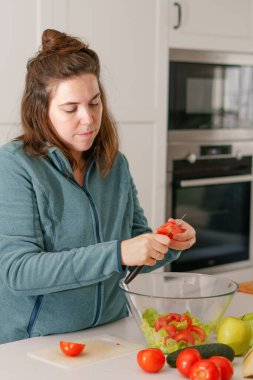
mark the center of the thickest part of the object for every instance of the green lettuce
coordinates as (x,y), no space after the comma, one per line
(157,339)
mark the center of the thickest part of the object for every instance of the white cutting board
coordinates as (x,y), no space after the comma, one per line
(97,348)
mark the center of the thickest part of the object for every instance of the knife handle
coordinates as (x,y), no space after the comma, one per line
(133,274)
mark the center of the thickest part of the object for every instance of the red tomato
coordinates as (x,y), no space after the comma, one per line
(161,231)
(151,359)
(186,359)
(70,348)
(226,367)
(186,318)
(170,228)
(171,330)
(186,336)
(160,323)
(173,317)
(199,331)
(204,369)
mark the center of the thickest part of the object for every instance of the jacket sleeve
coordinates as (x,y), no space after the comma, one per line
(25,266)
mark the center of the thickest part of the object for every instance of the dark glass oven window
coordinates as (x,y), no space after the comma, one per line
(220,215)
(206,96)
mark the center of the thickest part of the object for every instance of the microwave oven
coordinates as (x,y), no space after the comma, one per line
(210,93)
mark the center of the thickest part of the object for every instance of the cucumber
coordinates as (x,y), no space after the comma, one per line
(206,351)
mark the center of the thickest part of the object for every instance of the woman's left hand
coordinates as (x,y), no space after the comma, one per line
(183,240)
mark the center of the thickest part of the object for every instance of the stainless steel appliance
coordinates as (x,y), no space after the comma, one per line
(210,150)
(212,183)
(210,95)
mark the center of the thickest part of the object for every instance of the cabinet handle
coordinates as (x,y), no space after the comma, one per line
(179,13)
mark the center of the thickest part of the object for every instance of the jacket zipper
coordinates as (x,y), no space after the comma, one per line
(34,314)
(99,241)
(96,230)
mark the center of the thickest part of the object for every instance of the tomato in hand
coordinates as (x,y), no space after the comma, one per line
(151,359)
(170,228)
(71,349)
(186,359)
(204,369)
(226,367)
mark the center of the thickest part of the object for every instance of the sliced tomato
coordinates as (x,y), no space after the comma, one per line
(162,231)
(160,323)
(201,333)
(173,317)
(170,228)
(71,349)
(171,330)
(186,318)
(186,359)
(186,336)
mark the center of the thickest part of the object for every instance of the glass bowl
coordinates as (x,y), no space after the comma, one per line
(176,310)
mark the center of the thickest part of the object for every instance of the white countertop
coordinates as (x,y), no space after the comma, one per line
(16,364)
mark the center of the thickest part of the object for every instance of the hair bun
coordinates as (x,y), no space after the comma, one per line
(53,40)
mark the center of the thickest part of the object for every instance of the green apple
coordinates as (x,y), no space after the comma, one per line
(236,333)
(249,319)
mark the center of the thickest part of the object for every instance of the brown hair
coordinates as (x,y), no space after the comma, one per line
(62,56)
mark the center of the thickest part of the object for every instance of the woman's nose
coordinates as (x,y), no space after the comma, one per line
(86,117)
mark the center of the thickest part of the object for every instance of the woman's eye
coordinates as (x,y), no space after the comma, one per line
(94,104)
(70,111)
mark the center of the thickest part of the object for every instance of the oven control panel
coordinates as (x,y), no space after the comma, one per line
(214,150)
(192,151)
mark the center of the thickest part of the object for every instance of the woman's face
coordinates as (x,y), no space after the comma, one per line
(75,111)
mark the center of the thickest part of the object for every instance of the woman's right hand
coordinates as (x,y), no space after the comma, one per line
(144,249)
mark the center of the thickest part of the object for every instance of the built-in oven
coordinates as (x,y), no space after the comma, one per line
(210,95)
(212,184)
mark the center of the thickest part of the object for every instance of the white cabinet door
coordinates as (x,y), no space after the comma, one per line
(124,35)
(130,38)
(211,24)
(17,45)
(21,23)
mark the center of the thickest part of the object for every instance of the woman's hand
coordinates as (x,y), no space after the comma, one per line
(144,249)
(183,240)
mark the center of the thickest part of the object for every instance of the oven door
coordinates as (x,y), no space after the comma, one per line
(218,206)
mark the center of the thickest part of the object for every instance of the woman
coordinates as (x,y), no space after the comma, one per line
(70,220)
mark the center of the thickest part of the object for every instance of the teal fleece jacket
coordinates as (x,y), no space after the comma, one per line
(60,243)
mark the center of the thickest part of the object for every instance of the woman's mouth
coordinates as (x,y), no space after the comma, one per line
(85,134)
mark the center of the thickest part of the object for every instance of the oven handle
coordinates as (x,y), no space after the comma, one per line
(216,180)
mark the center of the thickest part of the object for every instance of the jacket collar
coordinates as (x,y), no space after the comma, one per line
(59,160)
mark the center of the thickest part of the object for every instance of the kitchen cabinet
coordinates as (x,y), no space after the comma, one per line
(17,45)
(21,24)
(211,24)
